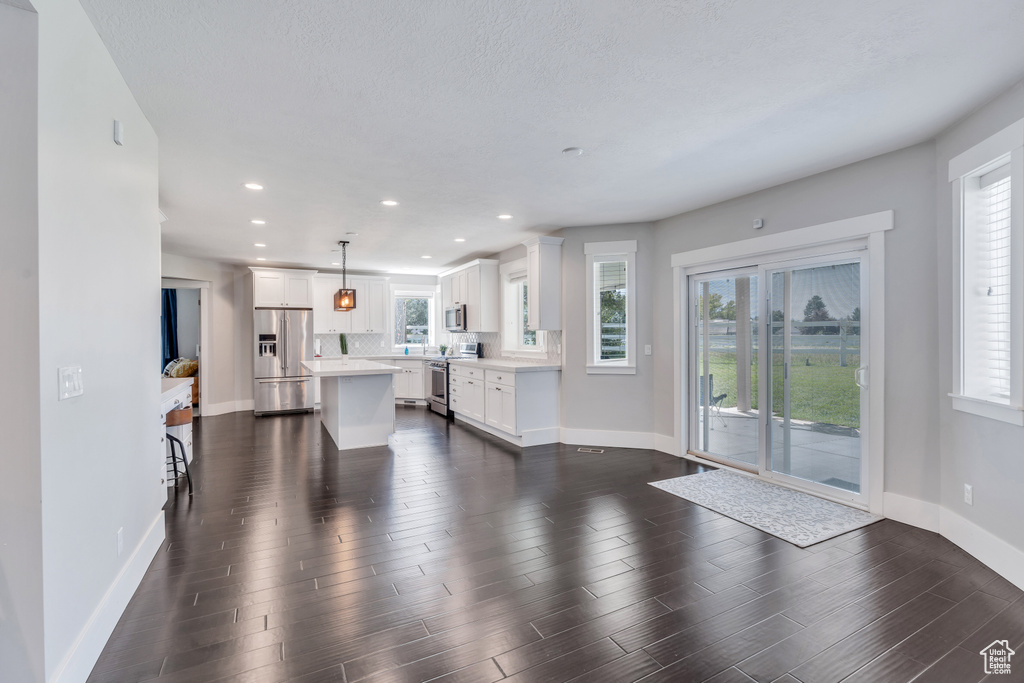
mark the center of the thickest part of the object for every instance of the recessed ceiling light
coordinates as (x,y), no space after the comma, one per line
(260,258)
(352,234)
(253,186)
(505,216)
(259,245)
(460,239)
(572,151)
(258,221)
(389,202)
(425,256)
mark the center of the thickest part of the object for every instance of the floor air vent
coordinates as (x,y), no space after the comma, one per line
(590,450)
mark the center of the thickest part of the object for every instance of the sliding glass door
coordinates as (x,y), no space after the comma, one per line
(788,408)
(725,371)
(813,363)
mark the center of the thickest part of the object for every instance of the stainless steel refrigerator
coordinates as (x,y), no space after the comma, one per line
(283,339)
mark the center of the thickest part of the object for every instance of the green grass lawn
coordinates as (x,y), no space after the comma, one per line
(823,391)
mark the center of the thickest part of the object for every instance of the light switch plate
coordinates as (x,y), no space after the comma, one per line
(647,349)
(69,382)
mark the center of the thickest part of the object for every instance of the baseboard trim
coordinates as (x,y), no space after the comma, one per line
(608,439)
(80,659)
(512,439)
(912,511)
(667,443)
(997,554)
(229,407)
(539,437)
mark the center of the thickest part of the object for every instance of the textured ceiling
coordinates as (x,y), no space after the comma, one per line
(459,110)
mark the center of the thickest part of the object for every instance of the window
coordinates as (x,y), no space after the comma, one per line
(412,318)
(987,188)
(611,306)
(517,337)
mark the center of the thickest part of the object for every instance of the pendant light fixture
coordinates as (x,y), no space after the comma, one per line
(344,298)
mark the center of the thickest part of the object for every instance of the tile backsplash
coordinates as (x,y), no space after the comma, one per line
(492,344)
(378,344)
(358,344)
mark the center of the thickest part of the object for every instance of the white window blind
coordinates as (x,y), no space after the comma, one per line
(611,292)
(988,374)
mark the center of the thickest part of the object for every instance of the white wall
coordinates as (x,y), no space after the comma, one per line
(188,322)
(902,181)
(606,403)
(21,549)
(99,301)
(985,453)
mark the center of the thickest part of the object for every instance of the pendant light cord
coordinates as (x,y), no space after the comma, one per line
(344,265)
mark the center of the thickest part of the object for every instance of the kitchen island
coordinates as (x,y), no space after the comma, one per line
(357,401)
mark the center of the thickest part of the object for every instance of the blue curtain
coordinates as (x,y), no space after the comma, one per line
(169,326)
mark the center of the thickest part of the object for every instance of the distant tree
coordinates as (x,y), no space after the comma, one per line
(855,317)
(816,311)
(729,311)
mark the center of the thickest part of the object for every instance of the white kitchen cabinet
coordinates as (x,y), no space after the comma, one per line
(474,284)
(520,407)
(324,288)
(409,382)
(470,400)
(282,288)
(501,407)
(544,283)
(369,315)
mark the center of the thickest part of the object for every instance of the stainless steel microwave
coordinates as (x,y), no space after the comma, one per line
(455,318)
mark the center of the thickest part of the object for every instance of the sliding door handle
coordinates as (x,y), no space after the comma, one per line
(860,377)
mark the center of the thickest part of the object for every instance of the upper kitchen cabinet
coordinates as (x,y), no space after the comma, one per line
(282,288)
(369,315)
(474,284)
(544,283)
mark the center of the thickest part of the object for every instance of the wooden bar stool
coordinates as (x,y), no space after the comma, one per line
(175,418)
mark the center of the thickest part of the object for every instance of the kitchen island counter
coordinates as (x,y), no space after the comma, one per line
(336,367)
(357,401)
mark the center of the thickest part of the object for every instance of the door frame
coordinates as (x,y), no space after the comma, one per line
(205,359)
(865,232)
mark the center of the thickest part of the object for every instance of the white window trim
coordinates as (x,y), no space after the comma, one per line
(596,252)
(510,271)
(398,291)
(994,151)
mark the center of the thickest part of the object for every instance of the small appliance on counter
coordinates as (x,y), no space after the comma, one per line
(283,339)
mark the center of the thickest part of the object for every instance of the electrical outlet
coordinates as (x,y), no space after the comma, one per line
(968,494)
(647,349)
(346,380)
(120,541)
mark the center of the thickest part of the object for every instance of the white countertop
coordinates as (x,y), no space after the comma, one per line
(507,364)
(340,368)
(172,386)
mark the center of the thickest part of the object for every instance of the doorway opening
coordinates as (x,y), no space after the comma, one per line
(185,331)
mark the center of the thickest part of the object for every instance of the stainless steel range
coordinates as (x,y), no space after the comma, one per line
(438,369)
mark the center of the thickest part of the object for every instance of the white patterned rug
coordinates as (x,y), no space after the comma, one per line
(793,516)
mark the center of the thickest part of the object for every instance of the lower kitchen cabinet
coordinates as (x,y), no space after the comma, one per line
(520,407)
(409,382)
(501,407)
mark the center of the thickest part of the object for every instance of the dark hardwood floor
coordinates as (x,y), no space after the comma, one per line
(452,556)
